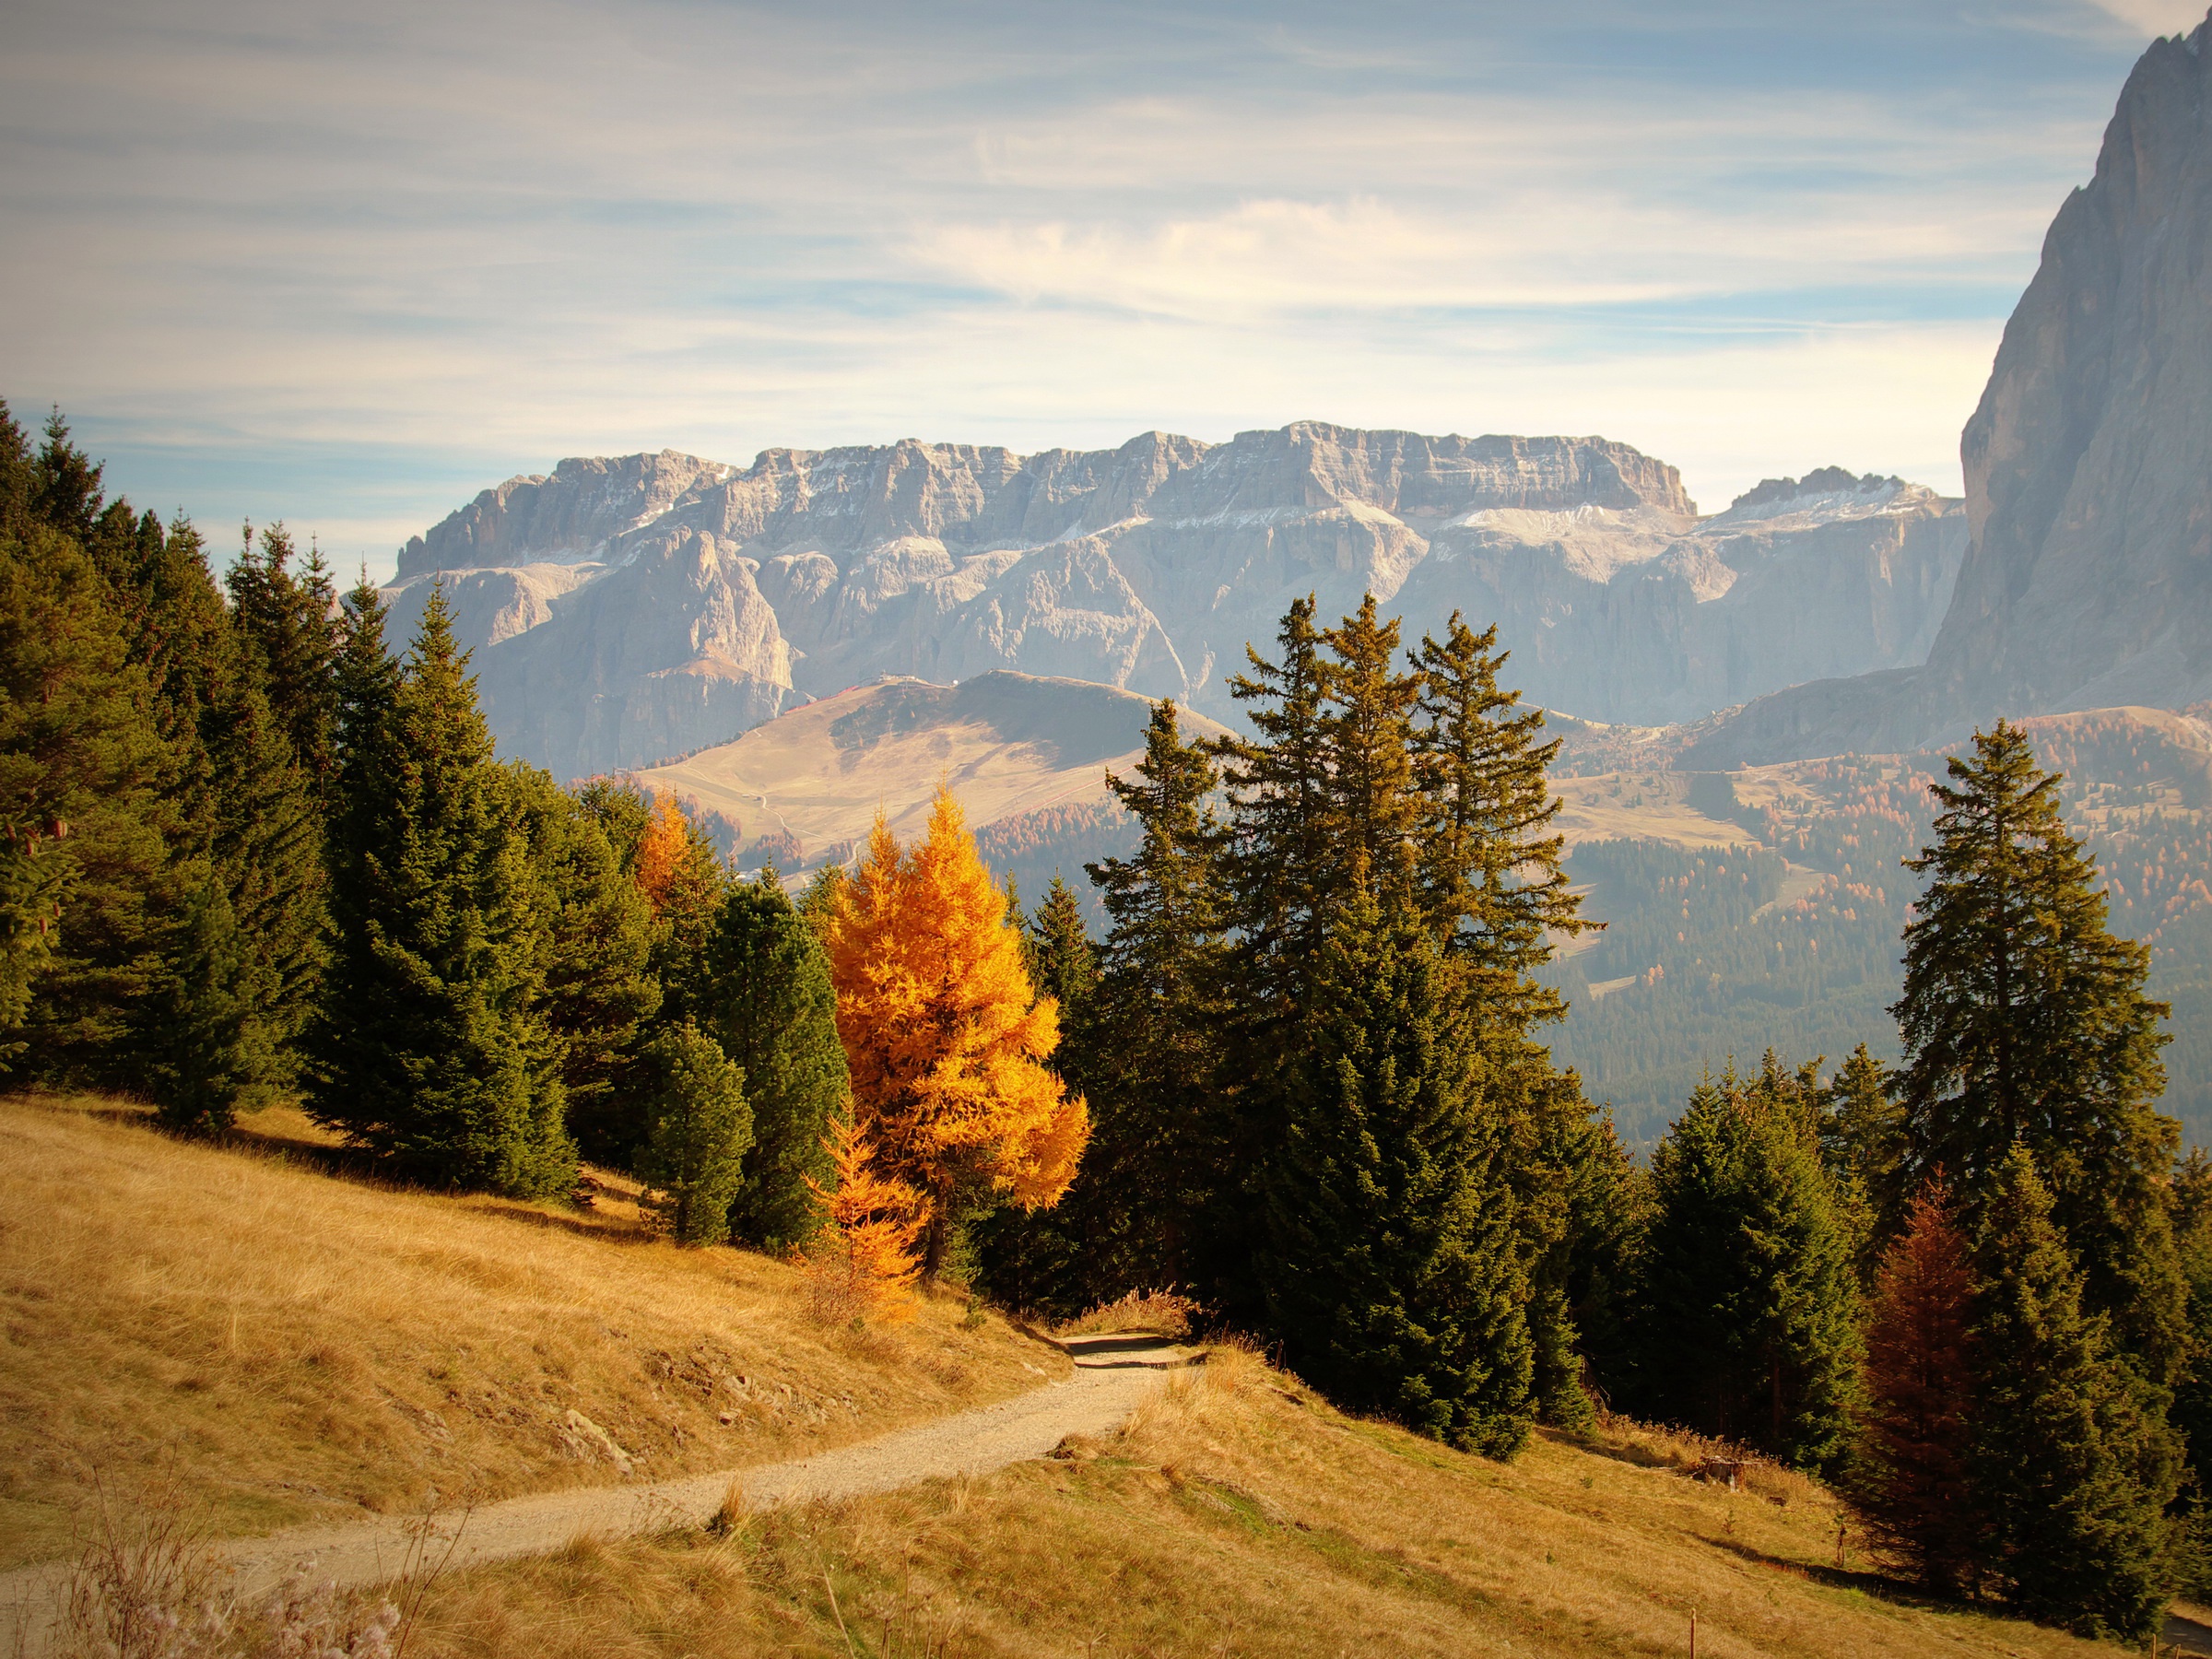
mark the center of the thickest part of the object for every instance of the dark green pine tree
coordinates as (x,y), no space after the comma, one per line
(2024,1023)
(1749,1303)
(2191,1413)
(1367,738)
(2072,1465)
(1276,866)
(1863,1144)
(1160,1199)
(291,619)
(210,1053)
(1489,879)
(771,1006)
(1063,964)
(697,1125)
(1392,1274)
(1490,869)
(223,1034)
(432,1045)
(597,936)
(88,809)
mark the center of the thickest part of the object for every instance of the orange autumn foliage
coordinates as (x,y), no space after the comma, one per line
(866,1263)
(662,850)
(946,1036)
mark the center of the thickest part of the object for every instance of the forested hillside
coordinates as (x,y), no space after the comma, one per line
(1793,942)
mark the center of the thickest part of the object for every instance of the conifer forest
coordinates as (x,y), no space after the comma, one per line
(1289,1046)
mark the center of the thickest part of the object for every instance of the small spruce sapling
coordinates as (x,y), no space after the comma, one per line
(699,1129)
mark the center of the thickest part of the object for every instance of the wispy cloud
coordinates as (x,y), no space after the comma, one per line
(339,262)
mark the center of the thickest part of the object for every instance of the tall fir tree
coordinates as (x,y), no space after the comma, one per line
(1366,739)
(1748,1307)
(1491,872)
(2071,1458)
(1488,880)
(773,1008)
(1276,866)
(2024,1023)
(1909,1482)
(1391,1271)
(1063,962)
(686,882)
(290,619)
(599,992)
(431,1047)
(1159,1201)
(88,803)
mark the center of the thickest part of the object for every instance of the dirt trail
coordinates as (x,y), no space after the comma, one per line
(1112,1374)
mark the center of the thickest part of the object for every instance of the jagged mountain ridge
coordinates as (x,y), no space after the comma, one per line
(623,610)
(2088,463)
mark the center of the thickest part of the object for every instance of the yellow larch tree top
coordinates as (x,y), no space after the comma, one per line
(945,1035)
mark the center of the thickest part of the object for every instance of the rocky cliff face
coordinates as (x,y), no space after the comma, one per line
(2088,463)
(629,609)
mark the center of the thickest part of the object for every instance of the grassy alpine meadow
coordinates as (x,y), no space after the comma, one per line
(1241,1515)
(285,1347)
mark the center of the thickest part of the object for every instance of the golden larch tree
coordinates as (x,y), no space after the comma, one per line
(864,1261)
(946,1036)
(662,851)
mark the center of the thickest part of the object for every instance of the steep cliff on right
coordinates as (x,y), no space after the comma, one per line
(2087,582)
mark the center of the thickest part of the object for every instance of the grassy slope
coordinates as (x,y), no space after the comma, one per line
(1242,1516)
(293,1347)
(289,1346)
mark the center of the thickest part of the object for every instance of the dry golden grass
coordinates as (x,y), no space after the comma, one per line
(1164,1312)
(1240,1515)
(289,1347)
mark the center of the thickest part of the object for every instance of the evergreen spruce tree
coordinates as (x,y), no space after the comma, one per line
(1491,869)
(1863,1144)
(1063,963)
(431,1047)
(771,1006)
(1367,738)
(1488,880)
(685,881)
(85,774)
(1909,1481)
(698,1127)
(2191,1412)
(1159,1199)
(2024,1023)
(1747,1314)
(211,1053)
(2070,1460)
(1390,1271)
(290,620)
(1277,866)
(248,962)
(597,936)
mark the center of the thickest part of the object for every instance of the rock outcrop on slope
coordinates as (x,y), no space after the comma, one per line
(627,610)
(2089,464)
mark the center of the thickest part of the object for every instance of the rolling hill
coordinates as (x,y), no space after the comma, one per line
(803,789)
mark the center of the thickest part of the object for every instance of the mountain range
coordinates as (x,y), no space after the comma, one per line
(627,610)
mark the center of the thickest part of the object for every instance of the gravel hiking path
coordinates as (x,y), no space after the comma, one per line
(1112,1375)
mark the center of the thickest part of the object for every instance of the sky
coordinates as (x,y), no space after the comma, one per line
(346,264)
